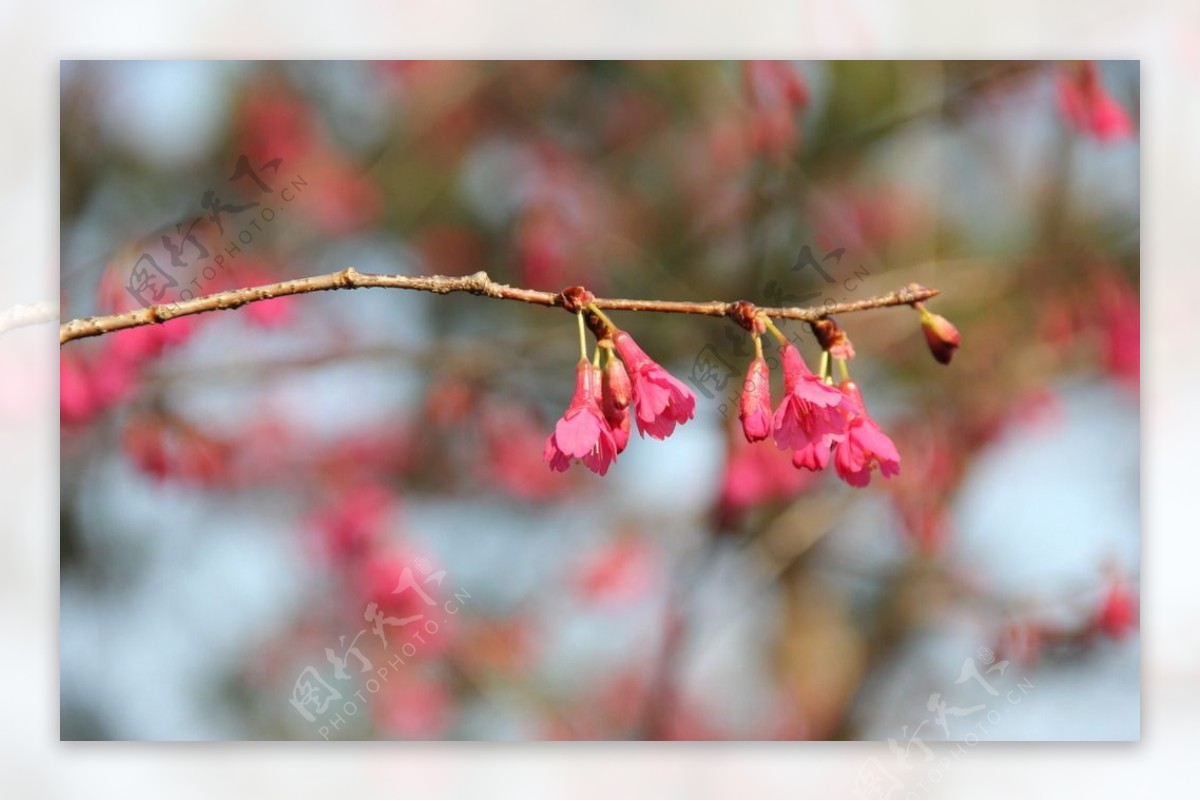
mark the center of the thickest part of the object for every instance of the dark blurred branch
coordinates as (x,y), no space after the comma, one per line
(476,284)
(27,314)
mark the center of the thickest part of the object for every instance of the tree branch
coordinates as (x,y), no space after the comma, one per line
(476,284)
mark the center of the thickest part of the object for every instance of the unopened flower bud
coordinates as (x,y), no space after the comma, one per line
(941,335)
(616,385)
(756,402)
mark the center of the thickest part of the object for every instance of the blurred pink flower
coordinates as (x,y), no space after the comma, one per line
(1088,106)
(1120,322)
(1118,613)
(76,399)
(661,400)
(754,476)
(356,521)
(511,461)
(87,388)
(582,433)
(395,581)
(619,571)
(776,91)
(264,313)
(414,706)
(145,444)
(149,341)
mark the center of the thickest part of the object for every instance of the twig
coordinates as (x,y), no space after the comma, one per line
(476,284)
(27,314)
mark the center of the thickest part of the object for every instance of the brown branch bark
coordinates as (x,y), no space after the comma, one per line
(476,284)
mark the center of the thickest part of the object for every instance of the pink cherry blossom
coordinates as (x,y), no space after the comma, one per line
(582,433)
(810,408)
(864,445)
(815,455)
(661,400)
(756,402)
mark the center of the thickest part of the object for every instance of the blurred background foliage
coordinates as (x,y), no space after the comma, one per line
(241,490)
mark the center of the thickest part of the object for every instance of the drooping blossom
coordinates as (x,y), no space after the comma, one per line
(616,393)
(1089,107)
(815,455)
(582,433)
(864,445)
(755,411)
(661,400)
(810,409)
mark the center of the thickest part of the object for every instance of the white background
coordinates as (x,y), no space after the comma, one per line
(33,37)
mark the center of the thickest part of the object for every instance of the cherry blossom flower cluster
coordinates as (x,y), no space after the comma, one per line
(816,420)
(630,387)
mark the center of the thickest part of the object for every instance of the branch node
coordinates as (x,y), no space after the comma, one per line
(574,299)
(745,314)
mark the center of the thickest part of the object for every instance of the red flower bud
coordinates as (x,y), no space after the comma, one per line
(616,385)
(616,392)
(756,402)
(941,335)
